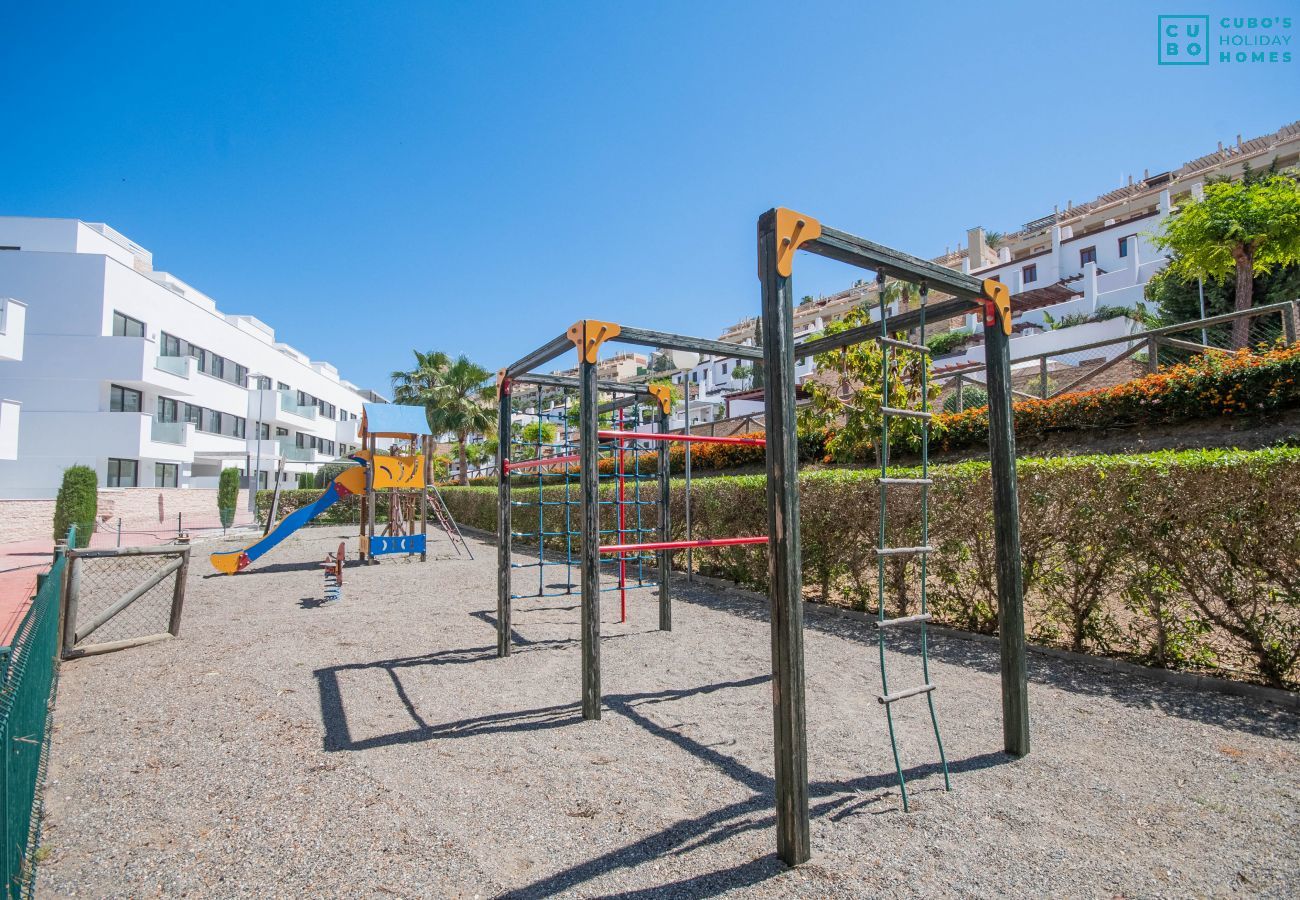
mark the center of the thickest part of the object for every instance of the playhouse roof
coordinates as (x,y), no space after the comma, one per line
(393,420)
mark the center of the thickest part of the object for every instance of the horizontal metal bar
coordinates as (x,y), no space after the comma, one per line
(902,620)
(681,545)
(905,480)
(539,357)
(622,436)
(902,551)
(664,340)
(903,695)
(857,251)
(540,463)
(906,413)
(905,345)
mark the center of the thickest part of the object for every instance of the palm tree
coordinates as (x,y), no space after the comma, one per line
(415,387)
(462,404)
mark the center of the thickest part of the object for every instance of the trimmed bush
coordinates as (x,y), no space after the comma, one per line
(306,481)
(228,496)
(1185,560)
(76,504)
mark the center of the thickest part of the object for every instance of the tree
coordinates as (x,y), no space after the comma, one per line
(533,434)
(462,404)
(77,504)
(756,370)
(228,496)
(1178,299)
(846,396)
(743,373)
(662,362)
(994,238)
(1242,228)
(415,387)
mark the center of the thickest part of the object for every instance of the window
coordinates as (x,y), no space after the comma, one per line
(1029,273)
(265,432)
(263,383)
(166,409)
(122,399)
(125,326)
(1087,255)
(122,472)
(194,415)
(173,346)
(1123,247)
(695,377)
(724,368)
(261,479)
(282,386)
(165,474)
(281,432)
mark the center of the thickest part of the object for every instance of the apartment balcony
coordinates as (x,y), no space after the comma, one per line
(130,362)
(294,453)
(126,435)
(346,432)
(13,328)
(289,404)
(10,414)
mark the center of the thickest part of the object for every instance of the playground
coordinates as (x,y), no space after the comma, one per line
(379,747)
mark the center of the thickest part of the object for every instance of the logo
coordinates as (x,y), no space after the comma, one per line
(1236,40)
(1183,40)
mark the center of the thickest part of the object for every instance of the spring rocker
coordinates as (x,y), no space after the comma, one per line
(781,233)
(403,480)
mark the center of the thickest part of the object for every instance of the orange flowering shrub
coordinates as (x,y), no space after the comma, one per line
(1243,383)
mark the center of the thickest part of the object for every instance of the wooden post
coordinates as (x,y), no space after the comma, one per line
(665,556)
(372,504)
(786,590)
(503,520)
(588,456)
(178,592)
(364,504)
(1153,355)
(1291,322)
(424,495)
(71,597)
(1042,376)
(1006,528)
(960,399)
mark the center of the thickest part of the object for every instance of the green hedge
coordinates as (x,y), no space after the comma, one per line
(77,504)
(1183,560)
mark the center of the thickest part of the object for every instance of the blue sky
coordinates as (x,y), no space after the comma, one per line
(473,177)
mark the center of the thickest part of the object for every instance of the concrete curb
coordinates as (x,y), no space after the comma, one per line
(1190,680)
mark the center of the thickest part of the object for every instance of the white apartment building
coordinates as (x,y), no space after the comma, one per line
(135,373)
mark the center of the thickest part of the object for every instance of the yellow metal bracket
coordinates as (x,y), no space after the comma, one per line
(664,394)
(589,334)
(997,305)
(792,230)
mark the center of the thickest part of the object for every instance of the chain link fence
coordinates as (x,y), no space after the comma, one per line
(123,597)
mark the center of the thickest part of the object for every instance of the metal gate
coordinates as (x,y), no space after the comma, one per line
(123,597)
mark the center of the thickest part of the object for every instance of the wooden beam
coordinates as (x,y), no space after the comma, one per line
(503,521)
(1097,371)
(664,340)
(786,590)
(865,254)
(1006,533)
(665,557)
(589,506)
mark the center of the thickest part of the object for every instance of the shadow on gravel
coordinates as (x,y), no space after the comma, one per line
(835,799)
(1211,708)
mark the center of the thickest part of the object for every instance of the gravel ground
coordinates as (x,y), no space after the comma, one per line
(377,747)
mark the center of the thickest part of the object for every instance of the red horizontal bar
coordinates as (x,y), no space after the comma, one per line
(682,545)
(538,463)
(697,438)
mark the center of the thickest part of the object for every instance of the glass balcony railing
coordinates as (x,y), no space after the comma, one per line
(297,454)
(168,432)
(289,404)
(176,365)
